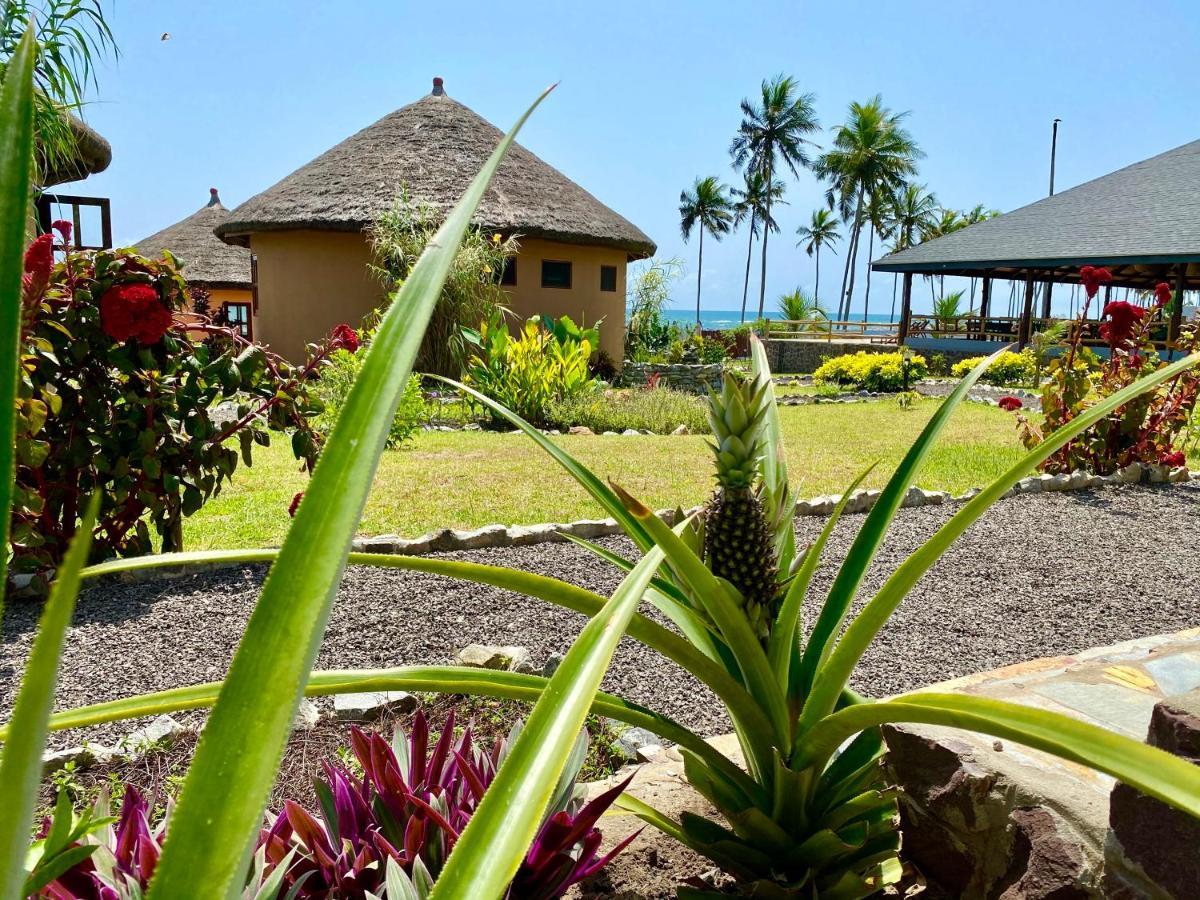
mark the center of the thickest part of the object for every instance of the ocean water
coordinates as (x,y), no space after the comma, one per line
(719,319)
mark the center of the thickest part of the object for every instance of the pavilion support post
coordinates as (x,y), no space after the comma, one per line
(905,309)
(1046,299)
(1023,331)
(1177,306)
(985,304)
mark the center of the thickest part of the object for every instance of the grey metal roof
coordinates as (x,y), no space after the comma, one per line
(1141,218)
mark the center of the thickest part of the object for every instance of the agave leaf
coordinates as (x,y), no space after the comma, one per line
(490,849)
(225,792)
(861,632)
(577,470)
(21,762)
(16,156)
(1154,772)
(870,536)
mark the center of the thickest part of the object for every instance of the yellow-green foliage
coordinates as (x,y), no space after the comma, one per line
(870,371)
(1009,370)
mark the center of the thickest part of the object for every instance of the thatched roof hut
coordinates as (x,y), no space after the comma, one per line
(432,149)
(93,154)
(207,261)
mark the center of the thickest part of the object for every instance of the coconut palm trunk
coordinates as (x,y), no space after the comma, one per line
(817,287)
(762,285)
(749,256)
(870,253)
(854,250)
(699,275)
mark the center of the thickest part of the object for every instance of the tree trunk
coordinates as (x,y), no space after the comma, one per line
(749,253)
(699,275)
(870,253)
(817,286)
(762,286)
(895,279)
(845,274)
(854,251)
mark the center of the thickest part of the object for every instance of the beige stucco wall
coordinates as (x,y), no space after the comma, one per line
(585,303)
(310,281)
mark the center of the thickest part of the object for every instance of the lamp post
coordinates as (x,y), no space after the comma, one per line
(1053,154)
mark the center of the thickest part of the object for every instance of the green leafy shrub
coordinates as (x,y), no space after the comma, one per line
(658,409)
(938,365)
(334,384)
(1009,369)
(471,293)
(118,397)
(647,331)
(871,371)
(695,349)
(532,369)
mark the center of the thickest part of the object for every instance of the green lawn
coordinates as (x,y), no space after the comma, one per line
(467,479)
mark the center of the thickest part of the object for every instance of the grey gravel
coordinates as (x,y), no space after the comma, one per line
(1040,575)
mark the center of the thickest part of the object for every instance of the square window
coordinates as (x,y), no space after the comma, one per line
(608,278)
(508,275)
(237,316)
(556,274)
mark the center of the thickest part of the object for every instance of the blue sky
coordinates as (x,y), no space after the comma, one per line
(244,93)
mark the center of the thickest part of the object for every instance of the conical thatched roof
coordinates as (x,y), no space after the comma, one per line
(432,149)
(207,261)
(92,155)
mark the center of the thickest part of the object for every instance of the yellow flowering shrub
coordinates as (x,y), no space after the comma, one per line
(1009,370)
(871,371)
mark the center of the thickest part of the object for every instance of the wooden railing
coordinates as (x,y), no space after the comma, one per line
(1008,328)
(830,330)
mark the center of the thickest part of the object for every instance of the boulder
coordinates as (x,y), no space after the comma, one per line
(307,716)
(370,705)
(485,656)
(579,429)
(163,730)
(680,429)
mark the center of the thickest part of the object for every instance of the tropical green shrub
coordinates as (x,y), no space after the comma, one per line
(647,331)
(545,361)
(1008,369)
(117,397)
(695,349)
(333,387)
(1152,429)
(657,409)
(471,294)
(871,371)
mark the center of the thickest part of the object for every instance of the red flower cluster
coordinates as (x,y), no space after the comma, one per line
(1123,317)
(295,504)
(1162,294)
(1174,460)
(134,310)
(39,260)
(344,338)
(1092,277)
(1010,404)
(63,227)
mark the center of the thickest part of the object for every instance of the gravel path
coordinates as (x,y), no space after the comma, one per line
(1040,575)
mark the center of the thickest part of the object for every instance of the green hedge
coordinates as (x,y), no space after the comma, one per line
(870,371)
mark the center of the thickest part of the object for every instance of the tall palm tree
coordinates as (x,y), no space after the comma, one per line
(872,153)
(877,213)
(751,203)
(773,133)
(821,231)
(946,221)
(913,210)
(708,205)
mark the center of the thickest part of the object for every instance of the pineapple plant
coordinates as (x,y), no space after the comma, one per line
(739,538)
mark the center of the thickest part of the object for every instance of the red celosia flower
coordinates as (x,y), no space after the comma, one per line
(63,227)
(295,504)
(1173,460)
(1123,317)
(39,260)
(1009,404)
(1162,294)
(344,337)
(134,310)
(1092,277)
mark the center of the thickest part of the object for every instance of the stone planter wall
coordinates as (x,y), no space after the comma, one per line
(804,356)
(686,377)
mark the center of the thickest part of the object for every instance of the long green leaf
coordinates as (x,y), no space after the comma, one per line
(491,847)
(835,675)
(560,593)
(773,466)
(1152,771)
(870,536)
(16,156)
(577,470)
(781,644)
(226,788)
(21,762)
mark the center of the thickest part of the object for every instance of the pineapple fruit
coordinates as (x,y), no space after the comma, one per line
(739,543)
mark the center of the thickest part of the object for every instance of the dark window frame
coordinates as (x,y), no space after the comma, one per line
(254,282)
(570,274)
(508,274)
(244,326)
(604,270)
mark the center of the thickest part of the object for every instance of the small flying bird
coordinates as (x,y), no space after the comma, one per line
(166,36)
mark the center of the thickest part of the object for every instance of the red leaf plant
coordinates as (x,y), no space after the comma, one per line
(1150,429)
